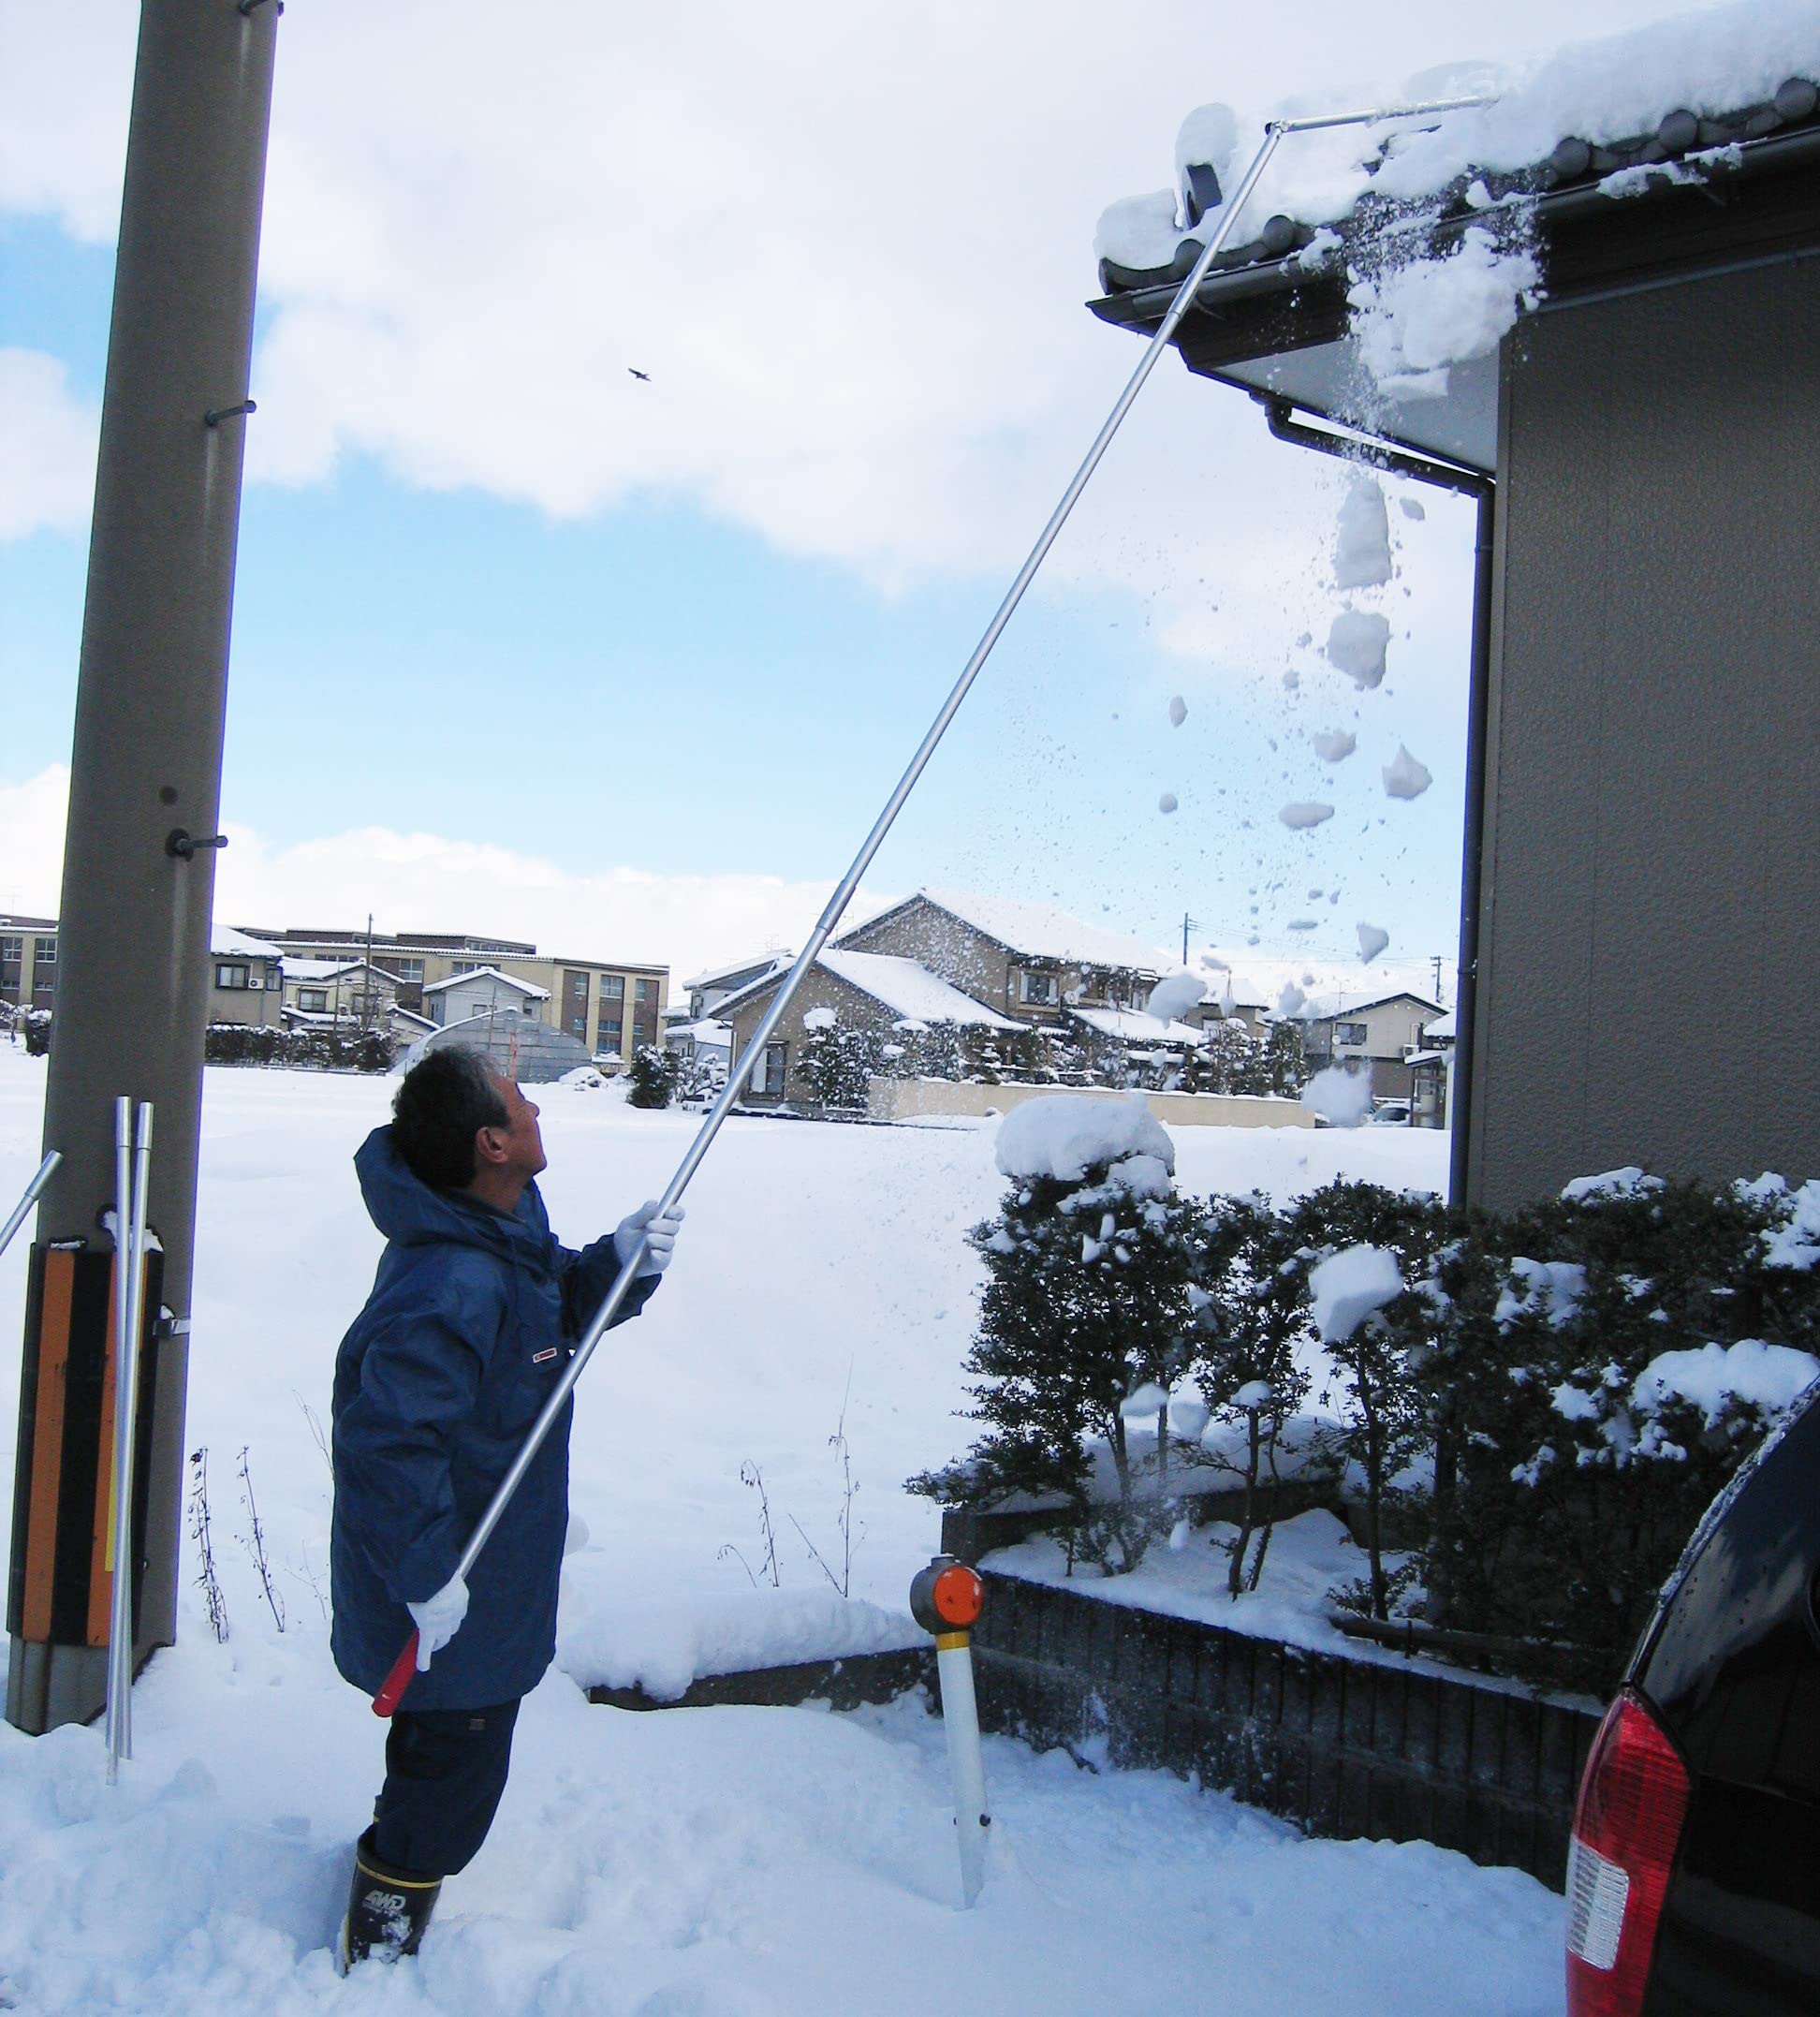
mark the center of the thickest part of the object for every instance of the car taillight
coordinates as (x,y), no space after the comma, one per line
(1627,1826)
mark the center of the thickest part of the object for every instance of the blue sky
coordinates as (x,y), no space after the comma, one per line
(524,646)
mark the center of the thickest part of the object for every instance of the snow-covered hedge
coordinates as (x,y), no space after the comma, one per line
(1577,1379)
(311,1049)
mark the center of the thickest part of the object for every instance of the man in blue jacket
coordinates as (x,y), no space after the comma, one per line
(472,1317)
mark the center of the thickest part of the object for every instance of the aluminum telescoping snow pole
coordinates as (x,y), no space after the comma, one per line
(403,1668)
(133,1173)
(21,1210)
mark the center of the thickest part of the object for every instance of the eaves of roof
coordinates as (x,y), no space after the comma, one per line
(1734,191)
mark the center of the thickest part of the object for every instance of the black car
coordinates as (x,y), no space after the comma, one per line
(1694,1874)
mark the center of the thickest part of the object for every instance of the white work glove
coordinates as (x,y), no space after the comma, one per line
(437,1619)
(659,1231)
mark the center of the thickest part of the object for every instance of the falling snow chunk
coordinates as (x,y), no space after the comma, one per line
(1188,1416)
(1361,556)
(1356,644)
(1177,711)
(1342,1098)
(1290,999)
(1372,941)
(1421,318)
(1301,813)
(1411,508)
(1404,777)
(1171,998)
(1167,803)
(1254,1393)
(1301,924)
(1146,1401)
(1349,1286)
(1333,746)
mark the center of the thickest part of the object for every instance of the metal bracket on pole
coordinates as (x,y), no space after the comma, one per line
(215,415)
(21,1210)
(132,1170)
(405,1666)
(182,844)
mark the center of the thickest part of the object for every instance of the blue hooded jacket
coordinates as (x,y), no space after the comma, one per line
(472,1317)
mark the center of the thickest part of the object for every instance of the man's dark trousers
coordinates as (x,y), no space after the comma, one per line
(444,1772)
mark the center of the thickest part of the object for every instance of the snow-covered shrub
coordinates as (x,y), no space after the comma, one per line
(37,1026)
(1248,1294)
(304,1049)
(653,1075)
(1610,1358)
(838,1061)
(1085,1307)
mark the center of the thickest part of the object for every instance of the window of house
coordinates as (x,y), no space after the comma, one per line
(612,986)
(641,993)
(610,1028)
(231,974)
(313,1001)
(1040,988)
(45,951)
(1350,1033)
(12,957)
(769,1078)
(408,971)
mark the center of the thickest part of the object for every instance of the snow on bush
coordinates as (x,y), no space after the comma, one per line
(1061,1138)
(1712,1377)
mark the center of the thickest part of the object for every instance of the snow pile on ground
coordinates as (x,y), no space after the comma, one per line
(691,1635)
(1769,1377)
(1343,1098)
(1349,1286)
(1063,1138)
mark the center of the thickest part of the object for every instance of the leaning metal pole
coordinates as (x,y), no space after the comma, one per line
(387,1698)
(23,1209)
(145,782)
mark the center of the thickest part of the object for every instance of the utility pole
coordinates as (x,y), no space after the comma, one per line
(1435,961)
(1188,924)
(366,982)
(144,800)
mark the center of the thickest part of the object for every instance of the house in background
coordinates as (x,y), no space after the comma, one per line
(1379,1034)
(1431,1074)
(1643,447)
(706,992)
(480,991)
(246,979)
(28,961)
(892,996)
(1021,959)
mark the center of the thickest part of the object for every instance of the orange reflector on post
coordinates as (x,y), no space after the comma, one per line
(957,1596)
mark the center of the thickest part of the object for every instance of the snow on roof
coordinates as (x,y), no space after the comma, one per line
(1325,1007)
(1044,933)
(1443,1027)
(1064,1136)
(911,991)
(488,973)
(296,969)
(1133,1025)
(707,1031)
(224,941)
(1602,93)
(768,963)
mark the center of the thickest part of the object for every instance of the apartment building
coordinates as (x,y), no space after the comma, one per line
(28,961)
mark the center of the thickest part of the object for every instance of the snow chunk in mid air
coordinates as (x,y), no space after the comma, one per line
(1064,1136)
(1172,997)
(1372,939)
(1418,320)
(1146,1402)
(1301,813)
(1333,746)
(1166,802)
(1361,555)
(1404,777)
(1177,710)
(1357,643)
(1343,1098)
(1349,1286)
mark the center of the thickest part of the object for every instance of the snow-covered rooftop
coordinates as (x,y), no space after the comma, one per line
(1323,1008)
(1133,1025)
(760,962)
(489,973)
(911,991)
(225,942)
(311,970)
(1443,1029)
(1041,932)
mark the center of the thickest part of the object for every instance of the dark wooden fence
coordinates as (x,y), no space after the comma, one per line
(1343,1748)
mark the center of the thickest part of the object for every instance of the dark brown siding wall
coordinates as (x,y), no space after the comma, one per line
(1651,901)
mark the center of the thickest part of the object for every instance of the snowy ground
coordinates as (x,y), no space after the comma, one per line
(702,1864)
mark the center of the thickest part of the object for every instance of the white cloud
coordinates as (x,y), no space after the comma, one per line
(46,447)
(424,882)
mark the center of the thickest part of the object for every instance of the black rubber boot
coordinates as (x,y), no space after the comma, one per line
(387,1909)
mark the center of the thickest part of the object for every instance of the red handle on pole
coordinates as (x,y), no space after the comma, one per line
(404,1667)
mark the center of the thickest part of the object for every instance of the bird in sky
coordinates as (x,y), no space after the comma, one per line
(644,375)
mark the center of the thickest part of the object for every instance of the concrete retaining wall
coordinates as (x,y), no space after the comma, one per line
(901,1099)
